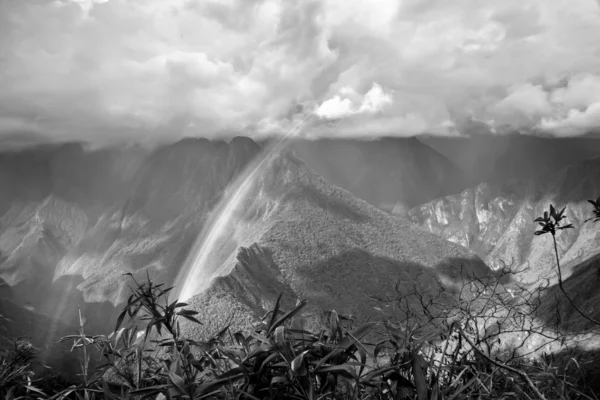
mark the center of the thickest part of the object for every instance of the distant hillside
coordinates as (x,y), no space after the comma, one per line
(497,158)
(389,173)
(74,221)
(496,221)
(307,239)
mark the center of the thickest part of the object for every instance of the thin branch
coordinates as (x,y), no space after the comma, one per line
(522,374)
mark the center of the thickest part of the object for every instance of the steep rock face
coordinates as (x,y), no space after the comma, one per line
(496,221)
(314,241)
(74,221)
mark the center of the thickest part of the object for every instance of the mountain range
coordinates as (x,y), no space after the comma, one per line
(74,220)
(326,220)
(496,221)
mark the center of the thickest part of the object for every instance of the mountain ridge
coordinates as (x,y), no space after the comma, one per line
(366,252)
(496,221)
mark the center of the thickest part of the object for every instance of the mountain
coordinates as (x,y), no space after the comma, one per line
(296,234)
(496,220)
(390,173)
(74,221)
(497,158)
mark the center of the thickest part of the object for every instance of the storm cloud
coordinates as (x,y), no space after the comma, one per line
(105,70)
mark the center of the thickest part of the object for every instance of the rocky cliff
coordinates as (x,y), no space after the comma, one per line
(496,220)
(74,221)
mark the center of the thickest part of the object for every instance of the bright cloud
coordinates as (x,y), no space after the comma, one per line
(161,69)
(345,104)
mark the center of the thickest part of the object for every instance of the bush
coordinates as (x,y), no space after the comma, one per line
(481,341)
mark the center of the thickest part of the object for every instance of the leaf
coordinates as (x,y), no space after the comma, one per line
(178,381)
(187,312)
(277,380)
(420,380)
(260,337)
(435,392)
(274,315)
(369,377)
(334,321)
(219,335)
(149,390)
(362,330)
(234,373)
(560,214)
(120,318)
(286,316)
(297,366)
(118,335)
(363,360)
(107,393)
(344,369)
(189,317)
(267,360)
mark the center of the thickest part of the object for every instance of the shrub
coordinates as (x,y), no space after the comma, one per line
(478,341)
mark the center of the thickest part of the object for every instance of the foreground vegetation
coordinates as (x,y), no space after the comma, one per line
(479,341)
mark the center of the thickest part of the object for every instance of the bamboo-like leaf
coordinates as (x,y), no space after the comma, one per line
(561,213)
(149,390)
(268,360)
(344,370)
(193,319)
(297,365)
(286,316)
(121,318)
(274,315)
(234,373)
(420,380)
(178,382)
(277,380)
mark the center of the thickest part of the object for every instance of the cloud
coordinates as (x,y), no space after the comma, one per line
(575,122)
(345,104)
(104,70)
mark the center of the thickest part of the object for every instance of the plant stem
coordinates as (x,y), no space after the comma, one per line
(560,284)
(85,355)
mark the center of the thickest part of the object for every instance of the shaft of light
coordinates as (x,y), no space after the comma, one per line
(199,270)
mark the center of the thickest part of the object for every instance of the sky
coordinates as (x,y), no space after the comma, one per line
(105,70)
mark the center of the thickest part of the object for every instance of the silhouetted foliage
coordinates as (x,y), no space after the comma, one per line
(551,223)
(596,210)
